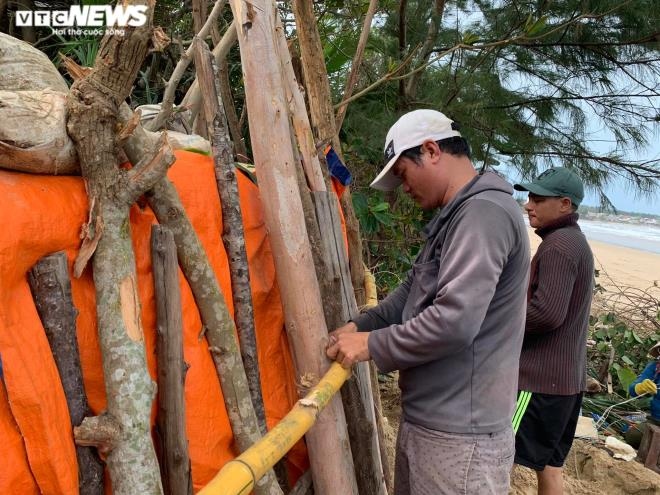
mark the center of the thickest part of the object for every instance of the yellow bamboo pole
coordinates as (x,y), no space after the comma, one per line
(239,475)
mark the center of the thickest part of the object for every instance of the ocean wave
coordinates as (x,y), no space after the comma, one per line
(643,237)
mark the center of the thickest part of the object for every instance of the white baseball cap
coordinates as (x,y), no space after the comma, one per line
(411,130)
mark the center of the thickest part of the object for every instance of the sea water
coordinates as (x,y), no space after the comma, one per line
(637,236)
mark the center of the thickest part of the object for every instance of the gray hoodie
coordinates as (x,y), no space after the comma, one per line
(454,327)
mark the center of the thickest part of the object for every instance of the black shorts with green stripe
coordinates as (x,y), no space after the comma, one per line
(544,426)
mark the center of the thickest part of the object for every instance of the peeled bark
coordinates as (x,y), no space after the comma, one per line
(92,107)
(332,467)
(51,289)
(171,419)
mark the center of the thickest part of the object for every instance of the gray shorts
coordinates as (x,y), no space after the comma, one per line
(436,463)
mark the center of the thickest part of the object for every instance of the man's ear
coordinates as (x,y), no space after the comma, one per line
(431,147)
(566,205)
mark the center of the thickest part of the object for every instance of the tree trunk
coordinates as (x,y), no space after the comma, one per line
(92,105)
(51,289)
(329,452)
(403,43)
(233,236)
(171,419)
(427,49)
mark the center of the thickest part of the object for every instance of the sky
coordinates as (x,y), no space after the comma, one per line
(622,194)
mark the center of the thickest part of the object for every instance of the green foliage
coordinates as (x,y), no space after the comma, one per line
(372,213)
(392,231)
(609,332)
(536,82)
(82,49)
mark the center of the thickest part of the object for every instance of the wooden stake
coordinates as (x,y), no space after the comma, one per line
(332,271)
(233,236)
(92,106)
(327,441)
(164,201)
(171,418)
(51,288)
(323,125)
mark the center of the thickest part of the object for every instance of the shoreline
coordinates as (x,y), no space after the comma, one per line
(618,265)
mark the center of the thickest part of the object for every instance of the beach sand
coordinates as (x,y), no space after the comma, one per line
(618,265)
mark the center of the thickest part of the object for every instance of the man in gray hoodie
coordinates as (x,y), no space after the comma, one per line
(454,327)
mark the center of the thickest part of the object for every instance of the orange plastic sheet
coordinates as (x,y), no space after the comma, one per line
(44,214)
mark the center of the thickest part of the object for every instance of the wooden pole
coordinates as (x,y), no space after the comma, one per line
(327,441)
(219,326)
(51,288)
(233,236)
(337,292)
(324,127)
(92,106)
(171,418)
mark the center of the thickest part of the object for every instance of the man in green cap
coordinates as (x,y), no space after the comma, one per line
(553,359)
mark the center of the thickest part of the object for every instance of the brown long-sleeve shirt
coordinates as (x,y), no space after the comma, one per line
(553,357)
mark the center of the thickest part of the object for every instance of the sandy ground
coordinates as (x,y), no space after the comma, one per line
(619,265)
(589,468)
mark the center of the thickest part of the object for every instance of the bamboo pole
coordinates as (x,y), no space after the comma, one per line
(238,476)
(327,442)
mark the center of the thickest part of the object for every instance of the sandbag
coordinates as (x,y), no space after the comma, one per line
(23,67)
(33,135)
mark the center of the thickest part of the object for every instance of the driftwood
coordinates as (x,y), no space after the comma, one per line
(51,289)
(330,457)
(233,236)
(171,418)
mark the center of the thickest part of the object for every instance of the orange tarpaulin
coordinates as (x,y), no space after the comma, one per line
(44,214)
